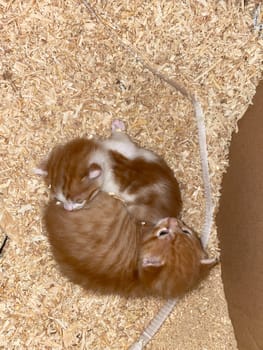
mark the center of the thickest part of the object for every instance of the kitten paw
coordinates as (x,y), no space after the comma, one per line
(117,125)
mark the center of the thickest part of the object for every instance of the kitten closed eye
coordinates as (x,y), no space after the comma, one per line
(187,231)
(79,201)
(163,233)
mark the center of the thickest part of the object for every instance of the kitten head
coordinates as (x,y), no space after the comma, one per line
(71,174)
(172,259)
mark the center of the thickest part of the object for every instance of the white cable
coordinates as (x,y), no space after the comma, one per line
(154,325)
(257,26)
(209,206)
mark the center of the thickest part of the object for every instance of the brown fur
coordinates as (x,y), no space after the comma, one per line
(102,248)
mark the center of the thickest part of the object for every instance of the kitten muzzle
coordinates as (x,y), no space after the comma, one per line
(68,206)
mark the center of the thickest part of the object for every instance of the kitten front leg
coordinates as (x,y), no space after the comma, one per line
(120,141)
(119,134)
(118,125)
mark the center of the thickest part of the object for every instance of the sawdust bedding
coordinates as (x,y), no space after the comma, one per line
(63,74)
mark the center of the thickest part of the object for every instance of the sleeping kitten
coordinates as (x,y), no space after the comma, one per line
(77,170)
(172,259)
(102,247)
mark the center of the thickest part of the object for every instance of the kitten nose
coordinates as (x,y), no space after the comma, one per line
(173,223)
(68,206)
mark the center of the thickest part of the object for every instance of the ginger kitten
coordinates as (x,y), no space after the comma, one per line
(103,248)
(77,170)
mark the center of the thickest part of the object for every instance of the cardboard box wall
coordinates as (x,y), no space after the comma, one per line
(240,228)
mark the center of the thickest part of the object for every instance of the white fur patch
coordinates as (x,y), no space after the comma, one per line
(109,184)
(67,203)
(148,155)
(60,197)
(101,158)
(123,146)
(127,197)
(120,142)
(70,205)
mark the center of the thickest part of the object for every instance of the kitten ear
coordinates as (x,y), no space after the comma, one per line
(94,171)
(41,169)
(152,261)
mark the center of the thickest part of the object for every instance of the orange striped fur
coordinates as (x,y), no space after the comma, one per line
(103,248)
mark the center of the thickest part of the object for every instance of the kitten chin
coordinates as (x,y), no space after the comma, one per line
(104,249)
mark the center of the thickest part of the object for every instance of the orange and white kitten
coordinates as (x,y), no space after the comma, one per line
(103,248)
(77,170)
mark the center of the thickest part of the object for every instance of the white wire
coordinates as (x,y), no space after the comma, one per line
(209,206)
(257,26)
(154,325)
